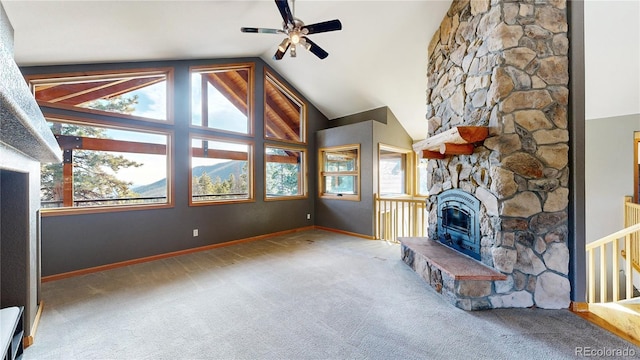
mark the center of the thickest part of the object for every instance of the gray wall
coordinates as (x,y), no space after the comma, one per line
(608,172)
(73,242)
(368,129)
(347,215)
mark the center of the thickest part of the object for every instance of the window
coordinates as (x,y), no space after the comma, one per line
(285,172)
(221,98)
(392,170)
(220,171)
(141,94)
(340,172)
(106,166)
(284,113)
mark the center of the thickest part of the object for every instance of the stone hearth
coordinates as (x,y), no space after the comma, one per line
(466,283)
(503,64)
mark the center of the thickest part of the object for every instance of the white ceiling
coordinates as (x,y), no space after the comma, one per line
(378,59)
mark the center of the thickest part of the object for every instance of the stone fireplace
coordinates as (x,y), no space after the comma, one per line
(25,142)
(503,65)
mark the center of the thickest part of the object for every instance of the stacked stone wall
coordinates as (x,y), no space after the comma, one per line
(504,64)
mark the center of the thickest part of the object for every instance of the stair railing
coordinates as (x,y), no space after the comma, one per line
(399,217)
(632,217)
(608,250)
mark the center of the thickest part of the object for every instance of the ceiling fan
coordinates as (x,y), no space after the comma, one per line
(296,32)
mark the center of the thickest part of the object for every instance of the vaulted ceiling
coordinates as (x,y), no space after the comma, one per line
(379,58)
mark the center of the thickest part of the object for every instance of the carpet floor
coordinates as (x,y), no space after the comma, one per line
(306,295)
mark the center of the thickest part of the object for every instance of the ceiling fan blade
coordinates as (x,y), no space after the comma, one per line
(285,11)
(280,53)
(315,49)
(261,30)
(325,26)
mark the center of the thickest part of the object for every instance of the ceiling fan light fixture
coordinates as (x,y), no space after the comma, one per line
(284,45)
(304,43)
(295,38)
(296,31)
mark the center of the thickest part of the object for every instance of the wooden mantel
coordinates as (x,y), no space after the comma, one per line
(456,141)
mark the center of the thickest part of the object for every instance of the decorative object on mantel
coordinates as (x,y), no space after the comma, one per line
(456,141)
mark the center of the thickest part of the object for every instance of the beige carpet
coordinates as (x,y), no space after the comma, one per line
(308,295)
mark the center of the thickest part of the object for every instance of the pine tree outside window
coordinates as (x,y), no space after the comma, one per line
(106,167)
(220,171)
(285,173)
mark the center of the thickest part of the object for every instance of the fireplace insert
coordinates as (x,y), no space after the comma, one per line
(458,225)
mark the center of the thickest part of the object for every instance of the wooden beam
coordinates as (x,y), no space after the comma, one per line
(68,142)
(232,86)
(456,135)
(67,184)
(220,154)
(282,159)
(456,149)
(428,154)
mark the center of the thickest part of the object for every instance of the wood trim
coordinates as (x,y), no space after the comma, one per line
(459,135)
(168,255)
(204,69)
(104,209)
(220,154)
(28,340)
(579,306)
(67,183)
(106,75)
(321,173)
(428,154)
(636,166)
(68,142)
(368,237)
(456,149)
(286,96)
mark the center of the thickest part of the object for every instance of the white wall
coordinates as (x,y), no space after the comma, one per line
(612,58)
(608,172)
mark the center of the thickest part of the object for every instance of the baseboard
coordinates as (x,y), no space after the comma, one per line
(28,340)
(579,307)
(168,255)
(368,237)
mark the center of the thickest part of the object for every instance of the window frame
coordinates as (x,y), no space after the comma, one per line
(276,82)
(418,164)
(61,78)
(322,174)
(46,212)
(250,169)
(303,175)
(407,169)
(250,67)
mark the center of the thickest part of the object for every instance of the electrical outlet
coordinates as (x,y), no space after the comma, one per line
(195,232)
(308,216)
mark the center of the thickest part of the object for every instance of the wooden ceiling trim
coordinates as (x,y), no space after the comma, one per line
(56,92)
(232,86)
(79,93)
(275,117)
(290,109)
(115,89)
(273,131)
